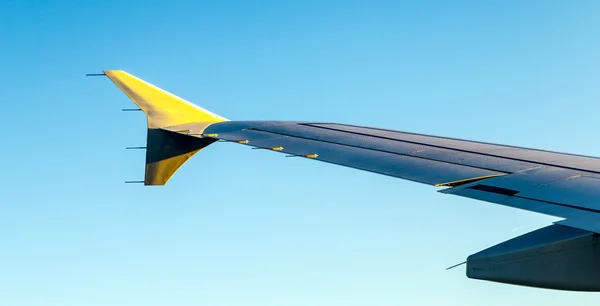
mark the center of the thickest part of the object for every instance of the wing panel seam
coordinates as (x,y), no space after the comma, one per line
(460,150)
(312,124)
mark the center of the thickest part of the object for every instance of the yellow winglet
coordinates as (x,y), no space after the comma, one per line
(162,108)
(166,150)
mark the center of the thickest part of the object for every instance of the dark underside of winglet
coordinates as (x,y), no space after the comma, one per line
(167,151)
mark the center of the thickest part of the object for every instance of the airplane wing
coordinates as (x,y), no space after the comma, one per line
(557,184)
(551,183)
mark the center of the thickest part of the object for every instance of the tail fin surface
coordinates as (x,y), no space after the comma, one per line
(166,151)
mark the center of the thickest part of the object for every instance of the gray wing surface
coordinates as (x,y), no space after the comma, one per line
(557,184)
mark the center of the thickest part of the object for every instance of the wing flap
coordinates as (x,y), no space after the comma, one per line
(550,191)
(509,200)
(577,190)
(566,188)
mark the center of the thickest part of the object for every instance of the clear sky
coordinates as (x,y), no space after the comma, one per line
(244,227)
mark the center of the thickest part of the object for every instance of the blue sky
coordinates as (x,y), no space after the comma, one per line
(243,227)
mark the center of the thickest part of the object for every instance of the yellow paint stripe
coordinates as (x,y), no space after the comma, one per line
(469,180)
(277,148)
